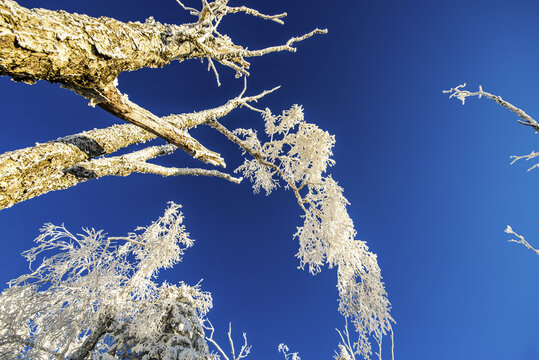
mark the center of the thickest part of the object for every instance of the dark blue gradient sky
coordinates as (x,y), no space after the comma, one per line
(429,180)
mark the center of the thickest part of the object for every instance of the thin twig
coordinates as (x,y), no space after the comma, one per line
(463,94)
(520,240)
(277,18)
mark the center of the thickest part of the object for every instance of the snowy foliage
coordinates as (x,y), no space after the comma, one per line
(283,348)
(299,154)
(300,150)
(93,294)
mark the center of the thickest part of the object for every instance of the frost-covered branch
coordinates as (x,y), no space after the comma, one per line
(525,119)
(36,170)
(277,17)
(269,183)
(245,348)
(86,55)
(461,94)
(298,153)
(529,156)
(120,106)
(135,162)
(520,240)
(283,348)
(40,50)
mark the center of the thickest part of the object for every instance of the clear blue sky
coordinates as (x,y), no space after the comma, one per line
(429,179)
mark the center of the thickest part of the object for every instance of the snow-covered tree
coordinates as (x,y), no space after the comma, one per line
(96,296)
(92,295)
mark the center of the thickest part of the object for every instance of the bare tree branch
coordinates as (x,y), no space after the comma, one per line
(463,94)
(36,170)
(526,119)
(520,240)
(86,55)
(136,163)
(253,12)
(120,106)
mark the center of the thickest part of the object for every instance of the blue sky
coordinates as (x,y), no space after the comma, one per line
(429,180)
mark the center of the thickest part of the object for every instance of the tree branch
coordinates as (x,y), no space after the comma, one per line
(86,55)
(520,240)
(136,163)
(277,18)
(259,157)
(120,106)
(463,94)
(89,343)
(36,170)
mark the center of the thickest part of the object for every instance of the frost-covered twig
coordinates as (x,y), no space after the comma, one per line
(530,156)
(346,349)
(283,348)
(204,33)
(286,47)
(191,10)
(277,17)
(245,348)
(526,119)
(461,94)
(520,240)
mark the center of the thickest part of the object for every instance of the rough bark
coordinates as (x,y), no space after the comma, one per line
(59,164)
(82,52)
(86,55)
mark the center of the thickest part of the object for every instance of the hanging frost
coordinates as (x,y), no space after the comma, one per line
(94,295)
(299,153)
(328,229)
